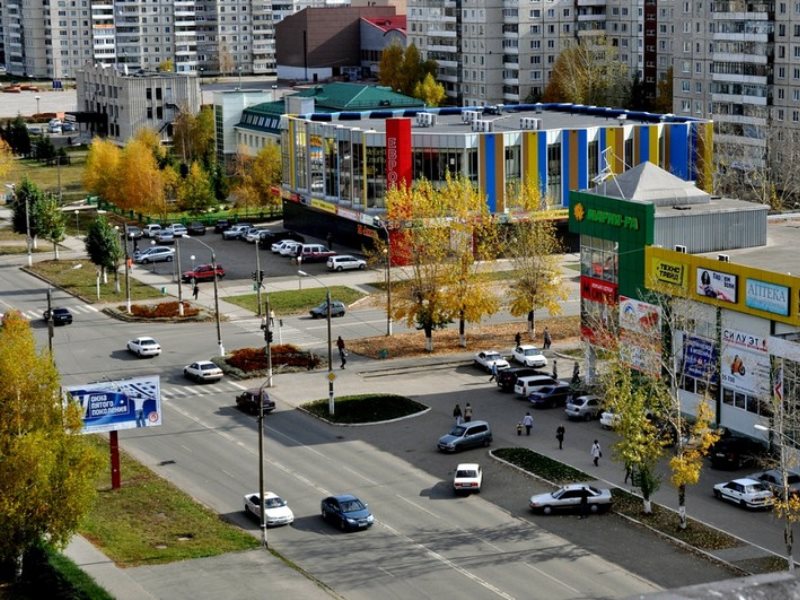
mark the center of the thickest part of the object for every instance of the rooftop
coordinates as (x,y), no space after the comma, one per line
(388,23)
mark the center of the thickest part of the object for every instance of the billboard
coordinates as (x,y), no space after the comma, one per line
(745,363)
(398,153)
(768,297)
(700,358)
(640,335)
(114,405)
(713,284)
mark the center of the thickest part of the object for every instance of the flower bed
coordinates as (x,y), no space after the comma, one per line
(163,310)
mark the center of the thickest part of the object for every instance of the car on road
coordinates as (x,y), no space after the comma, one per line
(61,316)
(550,396)
(735,451)
(468,477)
(774,481)
(144,346)
(486,358)
(585,408)
(508,377)
(525,385)
(288,249)
(569,497)
(529,356)
(221,225)
(248,401)
(177,229)
(345,262)
(466,435)
(338,309)
(134,232)
(164,236)
(203,371)
(67,127)
(347,512)
(745,492)
(154,254)
(276,510)
(196,228)
(313,253)
(203,273)
(235,231)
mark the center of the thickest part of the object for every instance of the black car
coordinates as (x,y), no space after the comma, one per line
(248,401)
(550,396)
(735,451)
(196,228)
(507,378)
(270,236)
(221,225)
(61,316)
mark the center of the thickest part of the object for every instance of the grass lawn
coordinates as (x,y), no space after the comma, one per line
(380,279)
(82,281)
(149,521)
(366,408)
(291,302)
(46,177)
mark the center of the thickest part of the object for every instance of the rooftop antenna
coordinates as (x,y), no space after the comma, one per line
(607,173)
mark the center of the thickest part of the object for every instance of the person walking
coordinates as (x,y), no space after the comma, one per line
(195,291)
(457,413)
(596,453)
(329,240)
(527,421)
(494,373)
(342,351)
(468,412)
(548,341)
(518,339)
(584,506)
(560,431)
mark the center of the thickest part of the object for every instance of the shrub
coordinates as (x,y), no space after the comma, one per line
(163,310)
(255,359)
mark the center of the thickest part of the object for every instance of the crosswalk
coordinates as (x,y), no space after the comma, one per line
(33,315)
(173,392)
(287,334)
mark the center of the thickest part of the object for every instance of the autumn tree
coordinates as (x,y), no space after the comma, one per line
(255,177)
(166,66)
(429,91)
(193,136)
(104,247)
(100,172)
(390,66)
(48,469)
(589,73)
(50,221)
(403,70)
(138,179)
(6,159)
(662,103)
(226,62)
(195,193)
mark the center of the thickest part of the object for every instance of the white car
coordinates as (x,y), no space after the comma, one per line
(530,356)
(278,246)
(487,358)
(468,478)
(345,262)
(289,249)
(235,232)
(144,346)
(203,370)
(747,493)
(277,512)
(569,498)
(177,230)
(253,234)
(609,419)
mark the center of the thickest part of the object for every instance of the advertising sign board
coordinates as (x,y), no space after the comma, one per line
(640,332)
(669,272)
(398,153)
(745,363)
(768,297)
(700,358)
(114,405)
(713,284)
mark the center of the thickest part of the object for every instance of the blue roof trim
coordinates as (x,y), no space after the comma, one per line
(321,117)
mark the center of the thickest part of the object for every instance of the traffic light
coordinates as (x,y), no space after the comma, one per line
(261,276)
(253,276)
(269,335)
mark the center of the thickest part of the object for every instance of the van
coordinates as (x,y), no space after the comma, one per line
(466,435)
(526,385)
(151,230)
(313,253)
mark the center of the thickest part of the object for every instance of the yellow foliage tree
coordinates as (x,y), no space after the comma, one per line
(6,159)
(166,66)
(429,91)
(139,181)
(195,193)
(256,177)
(100,172)
(390,65)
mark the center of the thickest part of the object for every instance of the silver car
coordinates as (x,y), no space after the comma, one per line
(569,498)
(154,254)
(583,407)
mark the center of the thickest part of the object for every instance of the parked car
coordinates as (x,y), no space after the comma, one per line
(271,236)
(288,247)
(468,477)
(550,396)
(525,385)
(466,435)
(177,229)
(253,234)
(569,498)
(774,481)
(203,273)
(321,312)
(486,358)
(221,225)
(151,230)
(144,346)
(67,127)
(202,371)
(347,512)
(747,493)
(154,254)
(248,401)
(134,232)
(61,316)
(345,262)
(583,407)
(529,356)
(508,377)
(196,228)
(235,231)
(276,510)
(609,419)
(164,236)
(313,253)
(734,452)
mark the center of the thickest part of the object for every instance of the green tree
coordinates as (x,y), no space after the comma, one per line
(44,149)
(194,192)
(27,196)
(429,91)
(403,70)
(390,66)
(663,100)
(104,247)
(48,469)
(193,137)
(17,136)
(50,221)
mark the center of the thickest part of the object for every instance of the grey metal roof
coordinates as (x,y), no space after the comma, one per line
(647,182)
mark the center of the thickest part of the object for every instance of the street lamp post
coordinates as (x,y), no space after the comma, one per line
(331,375)
(78,224)
(216,295)
(37,98)
(383,226)
(258,277)
(178,268)
(264,541)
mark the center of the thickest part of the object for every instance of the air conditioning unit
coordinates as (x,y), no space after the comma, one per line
(723,258)
(470,116)
(680,248)
(424,119)
(530,123)
(622,118)
(481,126)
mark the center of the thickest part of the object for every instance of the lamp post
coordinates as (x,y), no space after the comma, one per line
(178,268)
(380,223)
(37,98)
(264,542)
(331,375)
(216,295)
(78,224)
(258,277)
(788,534)
(127,271)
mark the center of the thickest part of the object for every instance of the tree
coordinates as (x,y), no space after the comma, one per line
(50,221)
(27,196)
(255,177)
(195,193)
(44,149)
(104,248)
(48,469)
(100,172)
(6,159)
(226,62)
(166,66)
(17,136)
(429,91)
(139,181)
(637,99)
(589,73)
(411,70)
(663,101)
(193,136)
(390,66)
(403,70)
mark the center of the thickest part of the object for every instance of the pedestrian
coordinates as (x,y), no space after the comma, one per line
(576,374)
(518,339)
(195,291)
(548,341)
(494,373)
(555,368)
(560,431)
(628,473)
(584,504)
(457,413)
(527,420)
(468,412)
(329,240)
(596,453)
(342,351)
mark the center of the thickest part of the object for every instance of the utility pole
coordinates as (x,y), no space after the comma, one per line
(50,322)
(268,337)
(258,278)
(127,270)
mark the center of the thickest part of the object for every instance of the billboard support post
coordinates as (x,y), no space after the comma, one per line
(113,439)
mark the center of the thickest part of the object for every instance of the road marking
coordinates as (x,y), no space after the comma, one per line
(551,578)
(415,505)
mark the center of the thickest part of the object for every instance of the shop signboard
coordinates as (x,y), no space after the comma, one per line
(768,297)
(640,333)
(700,358)
(717,285)
(669,272)
(115,405)
(745,363)
(398,153)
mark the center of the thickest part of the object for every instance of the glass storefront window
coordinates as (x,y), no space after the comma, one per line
(376,176)
(345,172)
(358,173)
(331,168)
(300,153)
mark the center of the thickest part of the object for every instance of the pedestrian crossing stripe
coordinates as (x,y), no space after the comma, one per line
(33,315)
(184,391)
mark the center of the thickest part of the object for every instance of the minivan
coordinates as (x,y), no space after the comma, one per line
(313,252)
(526,385)
(466,435)
(344,262)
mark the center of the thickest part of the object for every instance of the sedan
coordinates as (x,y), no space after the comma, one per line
(346,511)
(467,478)
(288,249)
(202,371)
(154,254)
(550,396)
(609,419)
(196,228)
(774,481)
(747,493)
(165,236)
(345,262)
(487,358)
(276,511)
(530,356)
(569,498)
(321,312)
(248,401)
(276,247)
(235,232)
(61,316)
(203,273)
(144,346)
(583,407)
(135,233)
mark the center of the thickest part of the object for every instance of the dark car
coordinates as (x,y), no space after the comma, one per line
(270,236)
(134,232)
(321,312)
(347,512)
(196,228)
(550,396)
(61,316)
(508,377)
(734,452)
(203,273)
(248,401)
(221,225)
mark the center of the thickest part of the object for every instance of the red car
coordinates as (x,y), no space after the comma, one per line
(203,273)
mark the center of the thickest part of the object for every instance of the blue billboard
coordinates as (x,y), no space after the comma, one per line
(114,405)
(700,358)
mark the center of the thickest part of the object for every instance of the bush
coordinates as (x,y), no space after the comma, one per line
(163,310)
(366,408)
(255,359)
